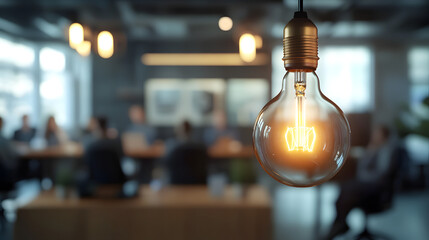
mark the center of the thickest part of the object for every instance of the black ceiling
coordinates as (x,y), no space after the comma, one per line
(174,19)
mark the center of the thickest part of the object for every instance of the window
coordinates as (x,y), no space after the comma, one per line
(16,54)
(345,77)
(418,61)
(52,60)
(16,82)
(348,69)
(55,87)
(19,92)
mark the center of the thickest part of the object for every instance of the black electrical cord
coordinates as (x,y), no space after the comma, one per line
(300,13)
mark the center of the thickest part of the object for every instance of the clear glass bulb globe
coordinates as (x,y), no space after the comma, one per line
(301,138)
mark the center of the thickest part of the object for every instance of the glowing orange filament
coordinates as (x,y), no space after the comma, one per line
(300,139)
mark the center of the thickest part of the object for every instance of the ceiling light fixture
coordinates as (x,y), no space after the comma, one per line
(301,138)
(247,47)
(258,42)
(105,44)
(75,35)
(225,23)
(84,48)
(200,59)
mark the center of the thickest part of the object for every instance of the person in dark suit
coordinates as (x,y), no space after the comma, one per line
(186,159)
(26,133)
(103,157)
(374,173)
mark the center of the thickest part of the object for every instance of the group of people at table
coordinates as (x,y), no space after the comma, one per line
(185,159)
(104,149)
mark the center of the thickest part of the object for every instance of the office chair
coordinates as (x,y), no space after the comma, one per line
(4,194)
(104,165)
(7,190)
(380,205)
(187,164)
(384,200)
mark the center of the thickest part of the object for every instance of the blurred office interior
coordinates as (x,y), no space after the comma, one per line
(165,74)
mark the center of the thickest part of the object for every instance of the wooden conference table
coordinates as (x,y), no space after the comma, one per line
(175,212)
(75,150)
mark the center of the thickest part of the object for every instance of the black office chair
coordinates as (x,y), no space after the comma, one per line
(104,165)
(187,164)
(384,200)
(7,190)
(383,203)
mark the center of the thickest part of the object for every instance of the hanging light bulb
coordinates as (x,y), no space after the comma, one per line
(301,138)
(258,41)
(105,44)
(84,48)
(247,45)
(75,35)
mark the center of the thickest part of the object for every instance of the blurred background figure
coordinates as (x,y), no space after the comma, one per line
(103,157)
(139,134)
(186,160)
(22,138)
(26,133)
(90,131)
(220,134)
(377,173)
(138,124)
(54,135)
(8,162)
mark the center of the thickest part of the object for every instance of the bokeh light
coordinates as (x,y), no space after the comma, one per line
(225,23)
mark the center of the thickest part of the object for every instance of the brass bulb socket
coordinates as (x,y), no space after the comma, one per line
(300,43)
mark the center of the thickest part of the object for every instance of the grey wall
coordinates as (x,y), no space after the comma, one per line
(109,75)
(391,85)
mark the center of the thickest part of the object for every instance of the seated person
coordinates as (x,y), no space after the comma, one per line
(53,134)
(8,162)
(103,157)
(220,132)
(21,139)
(186,160)
(26,133)
(88,133)
(373,176)
(139,134)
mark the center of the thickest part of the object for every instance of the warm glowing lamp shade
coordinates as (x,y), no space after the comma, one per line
(301,138)
(105,44)
(258,42)
(84,49)
(75,35)
(247,45)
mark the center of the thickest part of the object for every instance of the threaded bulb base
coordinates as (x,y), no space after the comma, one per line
(300,44)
